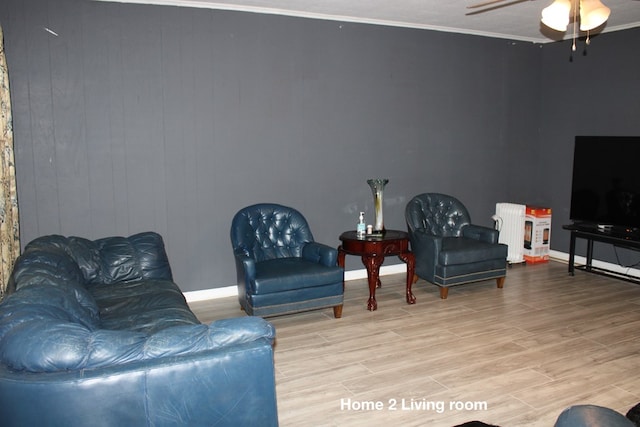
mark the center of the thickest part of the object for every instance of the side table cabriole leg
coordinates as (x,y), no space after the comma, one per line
(372,263)
(410,260)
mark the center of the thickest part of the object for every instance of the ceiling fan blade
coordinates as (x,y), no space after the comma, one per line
(498,6)
(483,4)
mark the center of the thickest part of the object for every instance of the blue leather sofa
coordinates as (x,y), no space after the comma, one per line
(97,333)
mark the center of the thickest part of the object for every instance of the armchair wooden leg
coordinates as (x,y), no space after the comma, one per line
(500,282)
(337,311)
(444,292)
(415,278)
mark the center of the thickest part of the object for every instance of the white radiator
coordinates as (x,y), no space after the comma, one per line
(510,222)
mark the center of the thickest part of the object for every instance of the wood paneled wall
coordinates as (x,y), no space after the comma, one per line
(132,118)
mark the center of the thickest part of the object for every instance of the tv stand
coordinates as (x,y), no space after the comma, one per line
(620,237)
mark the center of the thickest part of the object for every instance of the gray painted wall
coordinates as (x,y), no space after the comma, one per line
(596,94)
(133,118)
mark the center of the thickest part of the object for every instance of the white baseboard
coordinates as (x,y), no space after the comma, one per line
(214,293)
(229,291)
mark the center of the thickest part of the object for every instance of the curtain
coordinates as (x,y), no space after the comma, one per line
(9,225)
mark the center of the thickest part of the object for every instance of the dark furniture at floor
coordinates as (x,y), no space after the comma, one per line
(449,249)
(373,249)
(96,333)
(592,416)
(614,236)
(279,266)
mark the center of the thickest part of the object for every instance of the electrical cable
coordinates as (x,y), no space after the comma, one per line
(628,267)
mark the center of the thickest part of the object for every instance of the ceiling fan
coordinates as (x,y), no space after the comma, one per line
(493,4)
(591,14)
(586,15)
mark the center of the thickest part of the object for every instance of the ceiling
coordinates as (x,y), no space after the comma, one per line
(511,19)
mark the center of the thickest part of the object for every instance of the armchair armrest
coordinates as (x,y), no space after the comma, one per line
(426,247)
(245,271)
(320,253)
(479,232)
(424,242)
(245,266)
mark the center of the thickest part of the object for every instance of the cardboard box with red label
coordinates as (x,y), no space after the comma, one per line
(537,234)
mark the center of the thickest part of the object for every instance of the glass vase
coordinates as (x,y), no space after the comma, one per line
(377,188)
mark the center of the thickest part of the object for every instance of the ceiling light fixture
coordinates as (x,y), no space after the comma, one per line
(557,15)
(592,15)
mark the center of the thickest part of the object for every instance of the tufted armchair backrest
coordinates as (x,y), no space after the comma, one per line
(438,214)
(267,231)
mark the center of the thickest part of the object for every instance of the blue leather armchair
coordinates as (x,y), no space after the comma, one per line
(280,268)
(449,249)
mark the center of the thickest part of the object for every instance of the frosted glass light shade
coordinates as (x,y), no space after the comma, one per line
(556,15)
(592,14)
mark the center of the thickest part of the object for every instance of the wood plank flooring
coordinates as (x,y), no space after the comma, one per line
(513,357)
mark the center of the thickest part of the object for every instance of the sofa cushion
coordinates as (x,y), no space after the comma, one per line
(146,306)
(37,265)
(129,259)
(55,269)
(49,345)
(41,301)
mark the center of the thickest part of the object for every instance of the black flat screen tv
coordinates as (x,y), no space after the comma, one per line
(605,191)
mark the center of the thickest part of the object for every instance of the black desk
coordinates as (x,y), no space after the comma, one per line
(613,237)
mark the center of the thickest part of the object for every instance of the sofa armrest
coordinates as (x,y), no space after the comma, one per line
(234,385)
(50,343)
(481,233)
(320,253)
(181,340)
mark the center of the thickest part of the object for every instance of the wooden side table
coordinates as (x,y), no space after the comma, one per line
(372,249)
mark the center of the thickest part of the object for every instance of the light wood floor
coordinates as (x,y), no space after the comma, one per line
(514,357)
